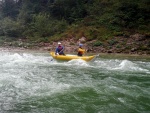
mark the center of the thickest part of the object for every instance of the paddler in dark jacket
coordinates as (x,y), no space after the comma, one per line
(59,50)
(81,51)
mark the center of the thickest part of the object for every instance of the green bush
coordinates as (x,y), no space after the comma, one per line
(115,33)
(143,48)
(10,28)
(112,42)
(44,26)
(97,43)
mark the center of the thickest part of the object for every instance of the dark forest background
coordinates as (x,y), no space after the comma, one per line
(52,20)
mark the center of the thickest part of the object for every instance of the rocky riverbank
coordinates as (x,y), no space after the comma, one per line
(133,44)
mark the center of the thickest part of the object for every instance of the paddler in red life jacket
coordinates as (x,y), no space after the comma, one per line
(59,50)
(81,51)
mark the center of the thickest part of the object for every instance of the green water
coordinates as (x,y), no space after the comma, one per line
(35,83)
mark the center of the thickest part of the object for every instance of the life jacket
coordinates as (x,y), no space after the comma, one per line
(80,51)
(59,48)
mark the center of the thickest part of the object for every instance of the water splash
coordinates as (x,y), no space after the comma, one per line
(127,65)
(34,80)
(78,62)
(123,65)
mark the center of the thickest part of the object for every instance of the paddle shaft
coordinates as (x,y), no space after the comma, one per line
(61,50)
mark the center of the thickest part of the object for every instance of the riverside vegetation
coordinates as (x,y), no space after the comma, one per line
(109,26)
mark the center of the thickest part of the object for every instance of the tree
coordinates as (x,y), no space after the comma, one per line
(9,8)
(70,10)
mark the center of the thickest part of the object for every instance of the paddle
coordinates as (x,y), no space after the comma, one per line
(60,51)
(97,55)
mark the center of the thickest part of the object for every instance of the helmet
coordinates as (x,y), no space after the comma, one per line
(80,45)
(59,43)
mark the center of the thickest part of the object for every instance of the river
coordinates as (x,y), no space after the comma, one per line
(33,82)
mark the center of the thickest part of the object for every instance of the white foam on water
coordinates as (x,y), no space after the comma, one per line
(78,62)
(106,64)
(25,76)
(27,85)
(129,66)
(71,63)
(21,73)
(40,87)
(123,65)
(121,100)
(10,59)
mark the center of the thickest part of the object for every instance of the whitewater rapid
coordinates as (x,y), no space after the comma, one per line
(26,76)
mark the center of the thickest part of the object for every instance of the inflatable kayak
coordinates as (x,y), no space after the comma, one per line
(68,57)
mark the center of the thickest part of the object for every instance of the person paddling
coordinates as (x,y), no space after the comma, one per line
(81,51)
(59,50)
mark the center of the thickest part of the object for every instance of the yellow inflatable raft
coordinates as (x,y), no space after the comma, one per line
(68,57)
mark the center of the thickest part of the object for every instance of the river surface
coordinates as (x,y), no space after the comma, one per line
(33,82)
